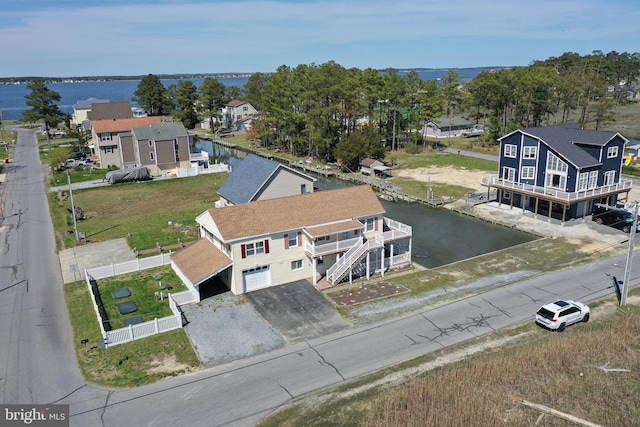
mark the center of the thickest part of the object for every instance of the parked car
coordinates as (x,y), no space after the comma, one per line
(476,130)
(72,163)
(613,217)
(562,313)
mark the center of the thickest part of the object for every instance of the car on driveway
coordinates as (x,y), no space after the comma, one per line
(616,218)
(557,315)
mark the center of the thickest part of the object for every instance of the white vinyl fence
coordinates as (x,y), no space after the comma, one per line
(141,330)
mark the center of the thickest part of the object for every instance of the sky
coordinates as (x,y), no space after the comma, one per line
(63,38)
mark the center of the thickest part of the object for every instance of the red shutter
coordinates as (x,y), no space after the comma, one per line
(286,241)
(266,246)
(299,238)
(244,251)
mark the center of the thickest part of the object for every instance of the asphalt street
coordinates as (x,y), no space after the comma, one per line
(37,363)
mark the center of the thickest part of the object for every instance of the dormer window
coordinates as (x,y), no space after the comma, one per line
(612,152)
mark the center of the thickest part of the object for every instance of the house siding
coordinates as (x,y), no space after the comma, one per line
(283,183)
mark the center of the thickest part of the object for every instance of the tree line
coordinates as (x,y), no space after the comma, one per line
(331,112)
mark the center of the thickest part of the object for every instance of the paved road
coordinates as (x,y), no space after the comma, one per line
(241,393)
(37,364)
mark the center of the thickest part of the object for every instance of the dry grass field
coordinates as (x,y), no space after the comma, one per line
(591,371)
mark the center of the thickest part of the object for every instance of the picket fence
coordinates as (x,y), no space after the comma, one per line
(141,330)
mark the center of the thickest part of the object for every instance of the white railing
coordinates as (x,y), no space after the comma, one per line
(200,170)
(140,330)
(128,266)
(343,260)
(397,261)
(397,225)
(329,248)
(492,181)
(338,270)
(182,298)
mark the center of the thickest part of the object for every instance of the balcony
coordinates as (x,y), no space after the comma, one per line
(556,195)
(393,230)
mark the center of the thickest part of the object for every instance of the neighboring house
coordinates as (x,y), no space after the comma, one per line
(237,115)
(373,167)
(257,178)
(106,135)
(443,127)
(562,170)
(110,111)
(634,150)
(81,109)
(325,237)
(161,147)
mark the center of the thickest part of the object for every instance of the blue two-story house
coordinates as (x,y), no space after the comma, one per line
(560,170)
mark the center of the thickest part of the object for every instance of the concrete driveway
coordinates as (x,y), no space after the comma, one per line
(73,261)
(297,311)
(228,327)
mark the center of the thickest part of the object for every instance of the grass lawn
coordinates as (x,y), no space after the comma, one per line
(143,287)
(134,363)
(139,212)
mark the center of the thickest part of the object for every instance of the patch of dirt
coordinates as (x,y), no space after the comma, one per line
(470,178)
(166,364)
(350,296)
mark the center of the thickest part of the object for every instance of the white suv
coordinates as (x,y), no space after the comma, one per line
(560,314)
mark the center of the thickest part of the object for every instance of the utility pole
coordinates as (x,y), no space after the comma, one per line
(627,269)
(73,210)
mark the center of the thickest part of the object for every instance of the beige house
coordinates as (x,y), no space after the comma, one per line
(237,115)
(106,134)
(325,237)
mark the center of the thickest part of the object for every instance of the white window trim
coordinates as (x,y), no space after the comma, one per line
(293,240)
(583,181)
(510,150)
(529,152)
(593,180)
(255,248)
(369,225)
(508,174)
(609,178)
(528,172)
(297,265)
(612,152)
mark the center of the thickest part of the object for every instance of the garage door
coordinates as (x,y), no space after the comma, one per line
(256,278)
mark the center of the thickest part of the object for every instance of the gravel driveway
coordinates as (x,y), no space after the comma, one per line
(226,327)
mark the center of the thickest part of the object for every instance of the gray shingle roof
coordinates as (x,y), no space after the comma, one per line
(566,140)
(161,131)
(248,178)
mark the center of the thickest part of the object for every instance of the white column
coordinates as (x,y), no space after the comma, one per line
(315,271)
(368,263)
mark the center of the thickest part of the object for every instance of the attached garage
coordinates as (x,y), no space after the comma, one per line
(256,278)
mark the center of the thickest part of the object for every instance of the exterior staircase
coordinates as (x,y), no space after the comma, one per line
(351,258)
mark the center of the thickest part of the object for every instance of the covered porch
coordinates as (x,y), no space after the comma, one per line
(364,254)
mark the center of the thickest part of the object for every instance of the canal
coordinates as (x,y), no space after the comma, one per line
(439,236)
